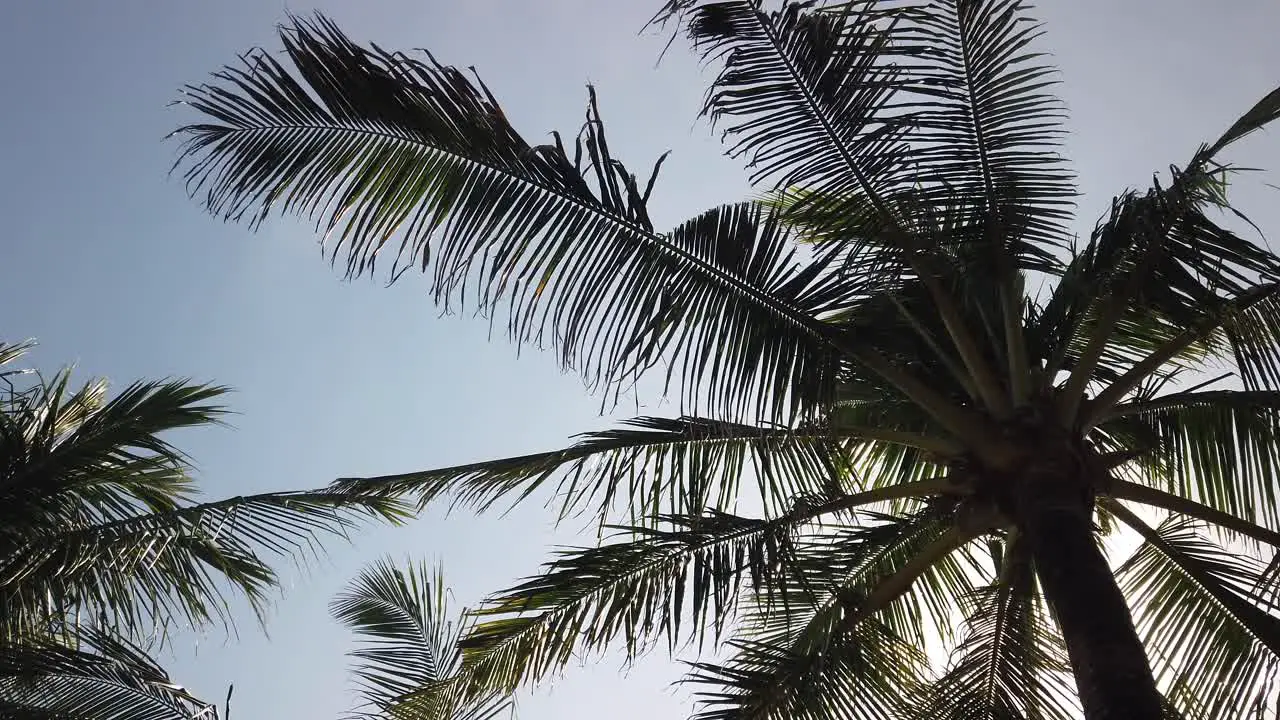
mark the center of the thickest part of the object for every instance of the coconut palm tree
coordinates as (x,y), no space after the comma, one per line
(103,551)
(408,641)
(933,402)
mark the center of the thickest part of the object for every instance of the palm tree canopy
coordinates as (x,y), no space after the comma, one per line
(104,548)
(900,354)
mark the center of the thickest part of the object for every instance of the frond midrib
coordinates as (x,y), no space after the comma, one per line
(1002,629)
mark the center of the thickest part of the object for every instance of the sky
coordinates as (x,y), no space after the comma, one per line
(108,264)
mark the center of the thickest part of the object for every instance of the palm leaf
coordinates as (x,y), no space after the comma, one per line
(803,90)
(105,678)
(1161,255)
(807,646)
(97,514)
(681,582)
(1212,447)
(656,466)
(1010,664)
(153,568)
(889,108)
(817,101)
(1195,605)
(60,439)
(10,351)
(854,673)
(378,146)
(409,639)
(624,591)
(990,130)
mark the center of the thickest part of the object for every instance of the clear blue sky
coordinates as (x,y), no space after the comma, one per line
(106,262)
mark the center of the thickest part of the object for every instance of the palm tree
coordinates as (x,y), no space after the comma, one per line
(939,401)
(408,642)
(103,551)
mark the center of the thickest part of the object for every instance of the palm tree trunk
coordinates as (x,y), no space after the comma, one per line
(1112,674)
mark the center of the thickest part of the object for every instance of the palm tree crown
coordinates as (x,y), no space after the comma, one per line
(103,552)
(939,399)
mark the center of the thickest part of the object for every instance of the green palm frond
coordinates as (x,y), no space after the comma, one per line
(889,109)
(625,591)
(1250,313)
(680,582)
(805,649)
(883,464)
(1160,259)
(1157,265)
(97,513)
(1010,664)
(848,102)
(72,459)
(1212,636)
(408,638)
(154,568)
(804,637)
(1213,447)
(802,91)
(380,147)
(980,62)
(853,673)
(654,466)
(102,678)
(10,351)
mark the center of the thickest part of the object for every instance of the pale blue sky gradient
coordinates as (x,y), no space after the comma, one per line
(107,263)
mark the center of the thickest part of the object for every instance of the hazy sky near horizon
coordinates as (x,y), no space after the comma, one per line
(111,267)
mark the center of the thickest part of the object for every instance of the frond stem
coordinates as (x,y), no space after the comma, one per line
(1134,492)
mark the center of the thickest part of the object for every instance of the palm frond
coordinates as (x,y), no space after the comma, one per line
(408,639)
(990,130)
(866,100)
(1251,314)
(104,678)
(11,351)
(664,466)
(630,592)
(1010,664)
(880,464)
(147,570)
(680,583)
(1195,606)
(1226,524)
(72,458)
(806,646)
(805,92)
(378,146)
(854,672)
(1161,255)
(97,512)
(815,99)
(1213,447)
(805,634)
